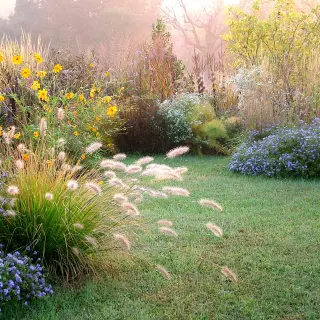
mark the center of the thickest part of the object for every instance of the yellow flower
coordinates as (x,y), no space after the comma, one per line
(57,68)
(81,97)
(17,59)
(107,74)
(0,132)
(100,183)
(69,95)
(92,93)
(49,163)
(47,108)
(35,85)
(41,74)
(83,156)
(75,113)
(25,73)
(91,65)
(106,99)
(43,95)
(98,119)
(76,133)
(1,57)
(1,98)
(99,90)
(38,58)
(112,111)
(36,134)
(17,135)
(25,157)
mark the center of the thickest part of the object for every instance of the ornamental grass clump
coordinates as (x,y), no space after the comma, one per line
(69,216)
(81,220)
(285,152)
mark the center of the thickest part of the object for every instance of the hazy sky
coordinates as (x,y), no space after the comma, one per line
(7,6)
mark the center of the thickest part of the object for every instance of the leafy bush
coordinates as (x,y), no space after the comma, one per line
(289,151)
(21,279)
(190,118)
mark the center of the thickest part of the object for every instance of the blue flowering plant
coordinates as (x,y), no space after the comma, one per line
(281,151)
(21,279)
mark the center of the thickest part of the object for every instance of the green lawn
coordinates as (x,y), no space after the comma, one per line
(271,240)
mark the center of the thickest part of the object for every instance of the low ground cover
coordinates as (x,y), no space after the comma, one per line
(271,240)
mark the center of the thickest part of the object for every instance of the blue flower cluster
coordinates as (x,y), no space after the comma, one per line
(290,151)
(20,279)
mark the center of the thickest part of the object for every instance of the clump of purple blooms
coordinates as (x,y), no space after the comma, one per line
(280,151)
(21,279)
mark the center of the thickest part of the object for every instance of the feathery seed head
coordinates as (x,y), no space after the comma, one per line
(72,185)
(48,196)
(119,157)
(176,152)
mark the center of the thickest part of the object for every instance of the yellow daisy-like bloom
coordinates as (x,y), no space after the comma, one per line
(91,65)
(36,134)
(83,156)
(57,68)
(41,74)
(75,113)
(17,60)
(47,108)
(106,99)
(38,58)
(1,98)
(43,95)
(76,133)
(25,73)
(25,157)
(81,97)
(107,74)
(112,111)
(69,95)
(92,93)
(17,135)
(1,57)
(35,85)
(100,183)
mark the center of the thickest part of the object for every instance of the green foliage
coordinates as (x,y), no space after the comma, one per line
(284,36)
(190,118)
(268,253)
(158,71)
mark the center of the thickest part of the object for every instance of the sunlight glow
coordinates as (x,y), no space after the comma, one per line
(6,8)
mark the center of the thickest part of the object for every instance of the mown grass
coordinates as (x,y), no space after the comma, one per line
(271,240)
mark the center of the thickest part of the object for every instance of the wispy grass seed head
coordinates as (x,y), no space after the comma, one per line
(175,191)
(168,231)
(93,147)
(48,196)
(210,204)
(163,271)
(72,185)
(177,152)
(13,190)
(119,157)
(229,274)
(214,229)
(164,222)
(94,187)
(123,240)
